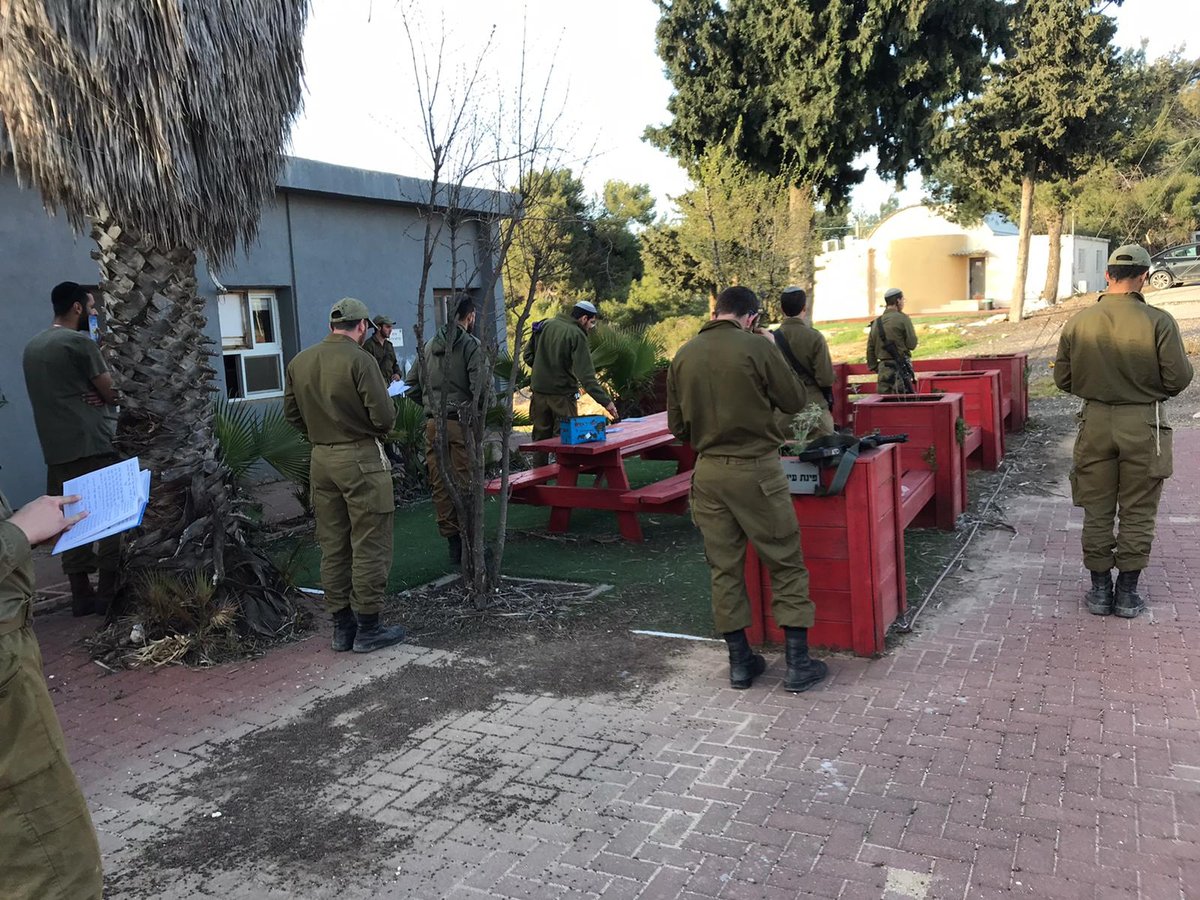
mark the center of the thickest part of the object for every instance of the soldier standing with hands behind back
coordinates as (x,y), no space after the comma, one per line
(336,396)
(1123,358)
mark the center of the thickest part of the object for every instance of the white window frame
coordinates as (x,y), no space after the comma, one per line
(254,349)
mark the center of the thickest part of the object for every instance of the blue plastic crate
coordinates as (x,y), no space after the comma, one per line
(583,430)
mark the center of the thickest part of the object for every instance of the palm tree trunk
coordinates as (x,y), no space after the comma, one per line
(1054,232)
(1016,308)
(162,366)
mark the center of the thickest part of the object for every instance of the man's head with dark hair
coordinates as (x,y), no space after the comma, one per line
(1124,273)
(463,306)
(64,298)
(464,312)
(66,295)
(737,302)
(893,297)
(793,301)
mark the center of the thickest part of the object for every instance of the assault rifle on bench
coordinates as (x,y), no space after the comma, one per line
(843,449)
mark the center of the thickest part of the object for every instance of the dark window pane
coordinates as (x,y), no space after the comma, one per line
(233,376)
(262,374)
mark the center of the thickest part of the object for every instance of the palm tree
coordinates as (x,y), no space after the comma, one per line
(159,126)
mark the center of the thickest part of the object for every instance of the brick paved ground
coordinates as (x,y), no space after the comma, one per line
(1015,746)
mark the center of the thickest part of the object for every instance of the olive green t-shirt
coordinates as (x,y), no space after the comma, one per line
(59,367)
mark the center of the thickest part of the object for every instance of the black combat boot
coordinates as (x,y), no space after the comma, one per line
(373,636)
(82,595)
(344,628)
(744,664)
(454,542)
(802,670)
(1100,598)
(1128,602)
(106,591)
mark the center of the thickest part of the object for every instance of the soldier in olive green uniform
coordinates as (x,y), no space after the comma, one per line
(48,848)
(336,396)
(809,358)
(381,348)
(892,327)
(454,376)
(559,360)
(1123,358)
(74,409)
(725,390)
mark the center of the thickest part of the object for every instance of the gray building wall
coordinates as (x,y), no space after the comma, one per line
(332,232)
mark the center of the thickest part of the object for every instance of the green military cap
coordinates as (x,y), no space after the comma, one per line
(1130,255)
(348,310)
(380,321)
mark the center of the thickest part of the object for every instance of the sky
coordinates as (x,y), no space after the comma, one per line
(597,59)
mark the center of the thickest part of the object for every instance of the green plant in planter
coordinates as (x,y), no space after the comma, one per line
(960,430)
(804,423)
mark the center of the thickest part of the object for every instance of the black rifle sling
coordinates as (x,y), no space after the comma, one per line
(842,475)
(786,350)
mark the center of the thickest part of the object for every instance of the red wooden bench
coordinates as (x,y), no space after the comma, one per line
(933,462)
(853,547)
(669,495)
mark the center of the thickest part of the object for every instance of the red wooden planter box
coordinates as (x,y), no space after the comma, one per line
(981,407)
(1014,383)
(854,548)
(929,420)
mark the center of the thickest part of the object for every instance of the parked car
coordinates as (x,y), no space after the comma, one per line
(1175,266)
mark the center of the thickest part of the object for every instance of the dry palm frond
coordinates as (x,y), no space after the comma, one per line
(170,649)
(167,116)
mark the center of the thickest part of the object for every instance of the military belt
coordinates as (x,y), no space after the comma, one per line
(453,416)
(366,440)
(742,460)
(1133,403)
(8,626)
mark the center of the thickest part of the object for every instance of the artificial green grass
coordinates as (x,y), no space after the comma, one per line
(661,584)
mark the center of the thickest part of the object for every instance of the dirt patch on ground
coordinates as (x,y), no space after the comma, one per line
(276,789)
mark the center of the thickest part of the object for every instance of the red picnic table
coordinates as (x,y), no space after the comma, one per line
(647,438)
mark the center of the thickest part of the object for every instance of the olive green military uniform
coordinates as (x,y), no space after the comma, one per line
(725,390)
(1123,357)
(559,361)
(48,848)
(812,352)
(895,327)
(337,397)
(76,437)
(453,372)
(384,355)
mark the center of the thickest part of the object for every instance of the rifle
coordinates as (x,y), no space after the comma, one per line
(843,449)
(904,369)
